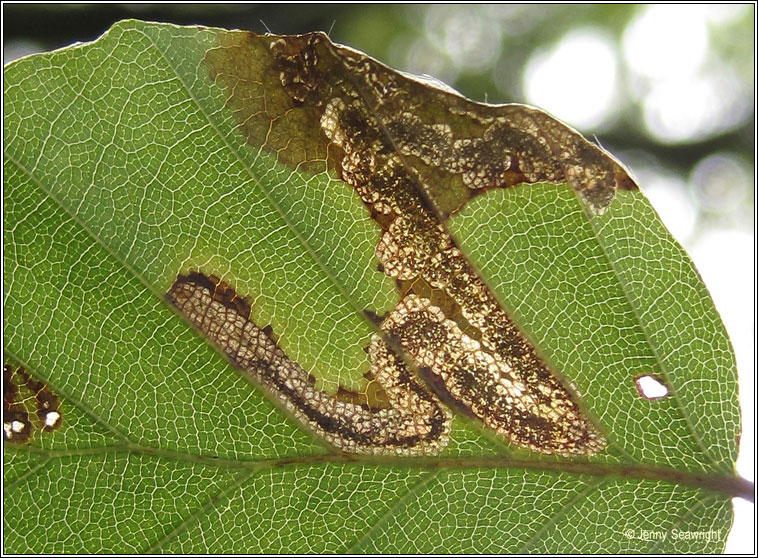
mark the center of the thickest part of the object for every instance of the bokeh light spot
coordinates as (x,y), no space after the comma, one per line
(576,79)
(720,182)
(667,40)
(670,197)
(466,35)
(691,108)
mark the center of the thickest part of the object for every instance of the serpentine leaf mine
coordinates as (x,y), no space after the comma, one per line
(411,420)
(415,154)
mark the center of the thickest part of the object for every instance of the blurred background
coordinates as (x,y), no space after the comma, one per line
(669,89)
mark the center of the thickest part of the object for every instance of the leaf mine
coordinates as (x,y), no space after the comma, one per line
(412,422)
(504,382)
(415,154)
(17,422)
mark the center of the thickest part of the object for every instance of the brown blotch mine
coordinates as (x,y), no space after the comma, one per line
(415,154)
(17,423)
(280,86)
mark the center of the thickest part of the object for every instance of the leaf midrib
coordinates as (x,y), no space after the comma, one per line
(729,485)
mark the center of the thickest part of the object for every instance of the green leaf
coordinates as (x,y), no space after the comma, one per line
(158,150)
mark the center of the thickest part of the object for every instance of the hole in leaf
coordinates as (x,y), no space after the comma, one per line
(651,387)
(52,419)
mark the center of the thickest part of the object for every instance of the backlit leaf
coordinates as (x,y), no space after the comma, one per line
(173,193)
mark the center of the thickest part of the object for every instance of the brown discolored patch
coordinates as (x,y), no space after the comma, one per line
(515,393)
(373,317)
(283,84)
(517,397)
(17,424)
(415,154)
(396,415)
